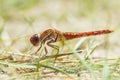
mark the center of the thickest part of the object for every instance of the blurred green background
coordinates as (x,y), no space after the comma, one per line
(19,19)
(26,17)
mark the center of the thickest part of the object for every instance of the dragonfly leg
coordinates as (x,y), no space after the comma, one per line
(46,51)
(38,49)
(53,46)
(41,44)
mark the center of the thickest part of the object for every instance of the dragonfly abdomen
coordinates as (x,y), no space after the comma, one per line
(73,35)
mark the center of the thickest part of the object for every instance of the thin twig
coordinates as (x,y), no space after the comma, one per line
(59,55)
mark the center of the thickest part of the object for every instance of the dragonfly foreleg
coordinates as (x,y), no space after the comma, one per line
(38,49)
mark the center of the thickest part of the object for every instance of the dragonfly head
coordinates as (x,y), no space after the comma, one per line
(35,40)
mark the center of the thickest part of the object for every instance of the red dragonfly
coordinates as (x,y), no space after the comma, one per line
(52,35)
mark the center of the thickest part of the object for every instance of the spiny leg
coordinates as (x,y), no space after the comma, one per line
(42,42)
(44,55)
(46,51)
(53,46)
(38,49)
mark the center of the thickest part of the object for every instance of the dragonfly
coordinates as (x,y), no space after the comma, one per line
(50,36)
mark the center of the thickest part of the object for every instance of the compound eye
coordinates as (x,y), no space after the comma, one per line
(34,39)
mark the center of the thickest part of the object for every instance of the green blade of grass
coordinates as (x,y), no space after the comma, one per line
(90,51)
(106,72)
(87,66)
(54,68)
(80,42)
(16,65)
